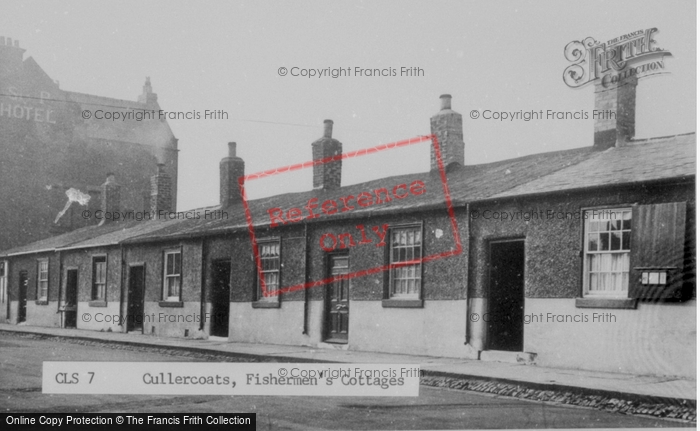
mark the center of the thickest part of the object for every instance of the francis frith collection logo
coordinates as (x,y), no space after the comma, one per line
(634,53)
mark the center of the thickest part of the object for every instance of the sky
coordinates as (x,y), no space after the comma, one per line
(226,55)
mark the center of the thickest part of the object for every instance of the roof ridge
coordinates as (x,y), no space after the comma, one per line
(94,96)
(643,140)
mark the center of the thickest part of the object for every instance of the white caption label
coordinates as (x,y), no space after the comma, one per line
(198,378)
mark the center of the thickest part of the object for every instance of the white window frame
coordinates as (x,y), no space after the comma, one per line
(99,289)
(399,271)
(176,276)
(42,280)
(271,270)
(594,234)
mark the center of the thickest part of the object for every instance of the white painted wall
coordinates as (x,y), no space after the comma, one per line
(655,339)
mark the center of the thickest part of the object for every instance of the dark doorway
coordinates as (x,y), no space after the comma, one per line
(23,283)
(71,308)
(220,298)
(506,295)
(134,312)
(337,301)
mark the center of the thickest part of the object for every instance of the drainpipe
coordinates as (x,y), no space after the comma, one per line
(60,286)
(306,280)
(466,251)
(204,283)
(121,290)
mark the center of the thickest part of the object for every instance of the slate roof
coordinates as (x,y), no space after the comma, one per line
(54,242)
(642,160)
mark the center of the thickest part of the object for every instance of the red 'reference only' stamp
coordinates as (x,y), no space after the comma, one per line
(314,209)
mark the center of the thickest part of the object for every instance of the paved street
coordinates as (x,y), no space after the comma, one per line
(20,379)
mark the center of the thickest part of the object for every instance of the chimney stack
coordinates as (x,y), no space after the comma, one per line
(111,196)
(231,168)
(615,108)
(161,192)
(327,175)
(11,55)
(446,125)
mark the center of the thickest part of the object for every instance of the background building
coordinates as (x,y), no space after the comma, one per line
(53,140)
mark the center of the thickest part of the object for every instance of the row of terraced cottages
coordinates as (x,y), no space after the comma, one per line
(579,258)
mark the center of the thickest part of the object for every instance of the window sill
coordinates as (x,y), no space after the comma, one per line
(98,303)
(616,303)
(402,303)
(171,304)
(266,304)
(42,302)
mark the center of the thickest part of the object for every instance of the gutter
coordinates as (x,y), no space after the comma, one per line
(305,330)
(243,228)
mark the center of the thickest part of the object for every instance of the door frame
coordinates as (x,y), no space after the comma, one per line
(325,333)
(489,303)
(22,292)
(6,278)
(142,265)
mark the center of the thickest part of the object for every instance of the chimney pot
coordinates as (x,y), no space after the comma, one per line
(16,43)
(445,102)
(327,128)
(232,149)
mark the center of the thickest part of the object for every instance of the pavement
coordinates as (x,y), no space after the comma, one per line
(617,385)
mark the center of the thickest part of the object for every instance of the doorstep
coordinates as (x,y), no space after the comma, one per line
(523,358)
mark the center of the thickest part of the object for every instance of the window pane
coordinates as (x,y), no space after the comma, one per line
(626,240)
(593,242)
(591,225)
(627,220)
(594,262)
(604,241)
(593,282)
(169,264)
(615,240)
(176,264)
(605,262)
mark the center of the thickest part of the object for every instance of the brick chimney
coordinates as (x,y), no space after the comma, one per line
(111,197)
(11,55)
(231,168)
(327,175)
(161,191)
(148,96)
(447,126)
(615,108)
